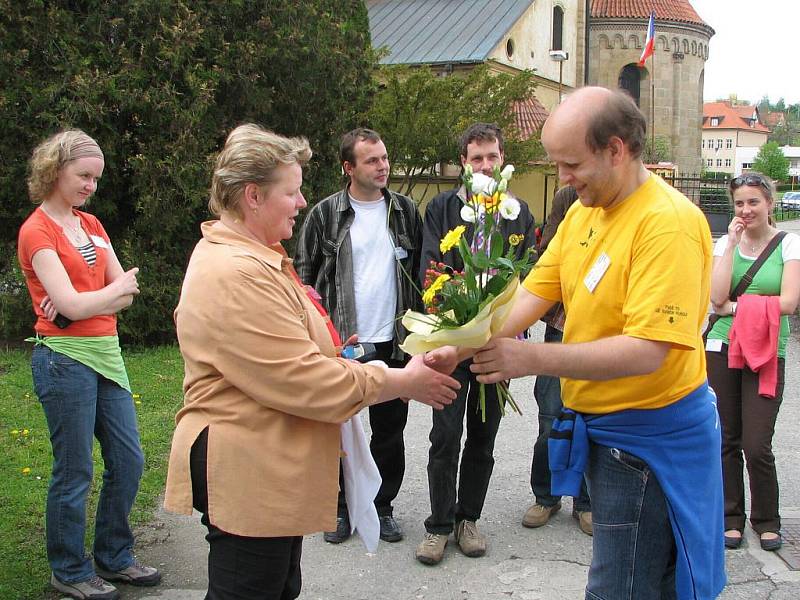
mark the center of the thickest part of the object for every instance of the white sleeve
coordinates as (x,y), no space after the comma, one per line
(790,247)
(722,243)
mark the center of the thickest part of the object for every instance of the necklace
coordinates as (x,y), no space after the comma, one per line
(73,231)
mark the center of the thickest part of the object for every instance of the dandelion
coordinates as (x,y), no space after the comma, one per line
(14,432)
(451,238)
(25,432)
(26,471)
(136,396)
(430,293)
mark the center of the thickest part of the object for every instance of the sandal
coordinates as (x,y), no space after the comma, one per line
(733,539)
(770,544)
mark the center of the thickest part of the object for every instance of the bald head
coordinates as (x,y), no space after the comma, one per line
(597,114)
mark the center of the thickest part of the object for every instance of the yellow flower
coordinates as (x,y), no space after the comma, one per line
(430,293)
(26,471)
(515,239)
(14,432)
(490,203)
(136,396)
(452,238)
(25,432)
(137,402)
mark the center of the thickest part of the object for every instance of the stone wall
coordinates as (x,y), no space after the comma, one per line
(678,64)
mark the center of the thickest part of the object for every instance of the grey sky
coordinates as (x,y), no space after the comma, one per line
(756,49)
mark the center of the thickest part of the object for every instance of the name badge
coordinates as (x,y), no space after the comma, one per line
(400,253)
(597,271)
(98,241)
(714,345)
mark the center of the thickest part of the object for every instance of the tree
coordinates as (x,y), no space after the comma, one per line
(159,84)
(657,152)
(420,116)
(771,162)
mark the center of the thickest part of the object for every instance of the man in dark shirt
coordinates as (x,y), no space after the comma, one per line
(482,148)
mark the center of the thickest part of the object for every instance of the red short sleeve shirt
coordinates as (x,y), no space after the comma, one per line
(40,232)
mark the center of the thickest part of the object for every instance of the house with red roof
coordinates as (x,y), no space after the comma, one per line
(727,129)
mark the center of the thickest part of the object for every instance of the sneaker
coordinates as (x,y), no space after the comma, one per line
(431,550)
(342,532)
(136,574)
(538,515)
(471,542)
(93,588)
(390,530)
(584,518)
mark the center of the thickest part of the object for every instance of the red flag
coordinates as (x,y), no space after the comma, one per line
(650,41)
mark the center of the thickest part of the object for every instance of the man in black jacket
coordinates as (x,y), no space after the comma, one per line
(457,510)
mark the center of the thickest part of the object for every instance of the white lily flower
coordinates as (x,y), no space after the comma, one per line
(481,184)
(509,208)
(468,214)
(507,171)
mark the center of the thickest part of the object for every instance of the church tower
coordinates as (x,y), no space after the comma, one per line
(672,78)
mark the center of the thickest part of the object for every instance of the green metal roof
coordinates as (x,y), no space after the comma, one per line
(441,31)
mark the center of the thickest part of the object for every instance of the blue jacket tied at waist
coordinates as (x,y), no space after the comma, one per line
(681,444)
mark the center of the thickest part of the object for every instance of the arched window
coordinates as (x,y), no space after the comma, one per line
(629,79)
(558,28)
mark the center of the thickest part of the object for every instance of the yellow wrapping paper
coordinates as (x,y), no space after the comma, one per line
(425,336)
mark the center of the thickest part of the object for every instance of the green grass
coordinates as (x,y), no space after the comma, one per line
(156,375)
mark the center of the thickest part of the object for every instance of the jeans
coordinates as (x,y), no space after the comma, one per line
(387,446)
(477,460)
(547,391)
(748,425)
(80,404)
(239,567)
(633,549)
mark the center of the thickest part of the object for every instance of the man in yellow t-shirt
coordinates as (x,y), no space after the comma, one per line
(631,262)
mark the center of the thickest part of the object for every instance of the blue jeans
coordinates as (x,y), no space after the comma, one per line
(80,404)
(477,460)
(633,549)
(547,391)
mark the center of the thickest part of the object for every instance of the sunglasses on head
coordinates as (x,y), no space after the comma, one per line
(752,179)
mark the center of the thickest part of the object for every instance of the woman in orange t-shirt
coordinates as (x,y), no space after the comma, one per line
(77,286)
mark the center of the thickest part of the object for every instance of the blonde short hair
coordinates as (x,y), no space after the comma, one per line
(251,155)
(52,154)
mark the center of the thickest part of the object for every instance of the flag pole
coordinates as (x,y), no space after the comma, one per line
(653,103)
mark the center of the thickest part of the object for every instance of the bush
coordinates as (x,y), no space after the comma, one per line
(159,84)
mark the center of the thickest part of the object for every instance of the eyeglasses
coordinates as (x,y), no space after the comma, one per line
(752,179)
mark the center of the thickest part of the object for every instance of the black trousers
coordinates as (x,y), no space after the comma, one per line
(451,504)
(387,421)
(748,424)
(243,568)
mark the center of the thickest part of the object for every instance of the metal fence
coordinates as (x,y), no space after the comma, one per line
(710,194)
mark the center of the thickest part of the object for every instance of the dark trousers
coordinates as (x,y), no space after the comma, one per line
(243,568)
(387,422)
(748,424)
(477,460)
(547,391)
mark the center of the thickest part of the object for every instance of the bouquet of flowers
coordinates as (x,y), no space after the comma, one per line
(465,308)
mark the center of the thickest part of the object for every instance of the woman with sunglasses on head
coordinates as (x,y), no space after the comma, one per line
(748,401)
(77,286)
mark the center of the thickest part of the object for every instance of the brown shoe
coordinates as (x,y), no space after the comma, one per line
(471,542)
(584,518)
(431,549)
(539,515)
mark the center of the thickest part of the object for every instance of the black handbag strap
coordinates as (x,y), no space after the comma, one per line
(747,278)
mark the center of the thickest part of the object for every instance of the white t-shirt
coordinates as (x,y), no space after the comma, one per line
(790,247)
(374,274)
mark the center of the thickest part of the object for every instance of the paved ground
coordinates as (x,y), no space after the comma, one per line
(549,563)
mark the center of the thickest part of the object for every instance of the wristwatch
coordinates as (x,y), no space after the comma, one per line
(733,308)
